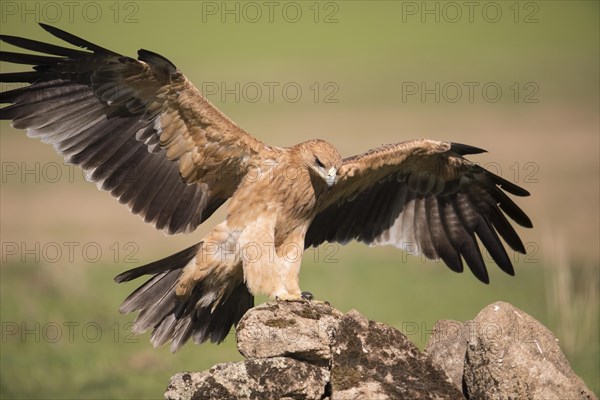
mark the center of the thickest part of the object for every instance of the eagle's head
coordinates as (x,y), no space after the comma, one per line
(322,158)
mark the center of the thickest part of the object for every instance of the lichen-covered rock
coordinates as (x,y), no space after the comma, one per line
(510,355)
(294,329)
(269,378)
(447,347)
(375,361)
(308,350)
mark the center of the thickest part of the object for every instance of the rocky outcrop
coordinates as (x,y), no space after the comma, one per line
(309,350)
(505,354)
(298,350)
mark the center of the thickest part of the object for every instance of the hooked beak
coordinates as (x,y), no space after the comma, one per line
(331,177)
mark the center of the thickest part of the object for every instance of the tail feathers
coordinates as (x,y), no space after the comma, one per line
(175,261)
(202,323)
(177,320)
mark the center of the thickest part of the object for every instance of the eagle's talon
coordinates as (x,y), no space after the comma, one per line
(307,296)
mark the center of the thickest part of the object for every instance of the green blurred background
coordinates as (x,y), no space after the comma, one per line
(356,73)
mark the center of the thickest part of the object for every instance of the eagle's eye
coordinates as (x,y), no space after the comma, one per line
(319,163)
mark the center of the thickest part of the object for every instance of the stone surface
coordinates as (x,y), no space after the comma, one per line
(510,355)
(373,360)
(269,378)
(300,350)
(447,348)
(292,329)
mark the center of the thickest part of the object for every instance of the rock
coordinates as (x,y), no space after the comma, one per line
(292,329)
(447,348)
(268,378)
(504,354)
(375,361)
(511,355)
(309,350)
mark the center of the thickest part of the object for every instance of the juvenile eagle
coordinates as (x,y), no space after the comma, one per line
(143,132)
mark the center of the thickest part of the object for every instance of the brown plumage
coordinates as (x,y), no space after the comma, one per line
(144,133)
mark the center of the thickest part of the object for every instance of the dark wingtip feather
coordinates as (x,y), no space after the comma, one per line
(508,186)
(7,113)
(472,255)
(512,209)
(13,77)
(505,230)
(28,59)
(464,149)
(41,47)
(75,40)
(491,242)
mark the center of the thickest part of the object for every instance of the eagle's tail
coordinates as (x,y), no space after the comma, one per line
(178,320)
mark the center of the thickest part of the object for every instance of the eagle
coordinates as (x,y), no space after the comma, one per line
(143,132)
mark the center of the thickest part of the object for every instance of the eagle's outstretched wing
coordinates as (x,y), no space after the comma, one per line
(424,197)
(138,128)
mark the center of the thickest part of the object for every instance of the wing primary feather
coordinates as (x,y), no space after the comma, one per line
(38,92)
(469,248)
(505,229)
(42,47)
(492,243)
(14,77)
(464,149)
(512,209)
(27,59)
(506,185)
(75,40)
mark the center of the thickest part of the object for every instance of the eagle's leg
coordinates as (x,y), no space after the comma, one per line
(289,297)
(303,298)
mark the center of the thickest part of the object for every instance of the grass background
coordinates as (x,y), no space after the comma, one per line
(63,241)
